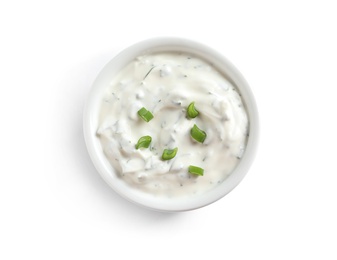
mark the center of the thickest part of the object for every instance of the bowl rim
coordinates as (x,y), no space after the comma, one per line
(169,44)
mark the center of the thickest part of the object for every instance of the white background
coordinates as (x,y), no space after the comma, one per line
(53,203)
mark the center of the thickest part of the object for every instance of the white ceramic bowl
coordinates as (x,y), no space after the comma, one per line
(92,110)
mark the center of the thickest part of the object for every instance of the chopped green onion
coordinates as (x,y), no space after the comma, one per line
(198,134)
(196,170)
(144,142)
(145,114)
(191,111)
(169,154)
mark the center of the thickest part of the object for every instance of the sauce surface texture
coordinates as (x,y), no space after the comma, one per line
(165,84)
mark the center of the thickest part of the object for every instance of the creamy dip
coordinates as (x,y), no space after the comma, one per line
(165,84)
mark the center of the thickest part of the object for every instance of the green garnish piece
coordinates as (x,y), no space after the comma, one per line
(196,170)
(144,142)
(169,154)
(197,134)
(191,111)
(145,114)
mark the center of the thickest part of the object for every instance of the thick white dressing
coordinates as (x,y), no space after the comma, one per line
(165,84)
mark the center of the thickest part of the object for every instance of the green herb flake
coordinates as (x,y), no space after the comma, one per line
(191,111)
(145,114)
(169,154)
(198,134)
(144,142)
(195,170)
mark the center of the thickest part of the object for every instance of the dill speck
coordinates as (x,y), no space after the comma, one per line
(148,72)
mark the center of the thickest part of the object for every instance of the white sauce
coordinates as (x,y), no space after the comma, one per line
(165,84)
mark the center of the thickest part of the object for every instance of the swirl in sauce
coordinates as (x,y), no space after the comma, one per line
(165,84)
